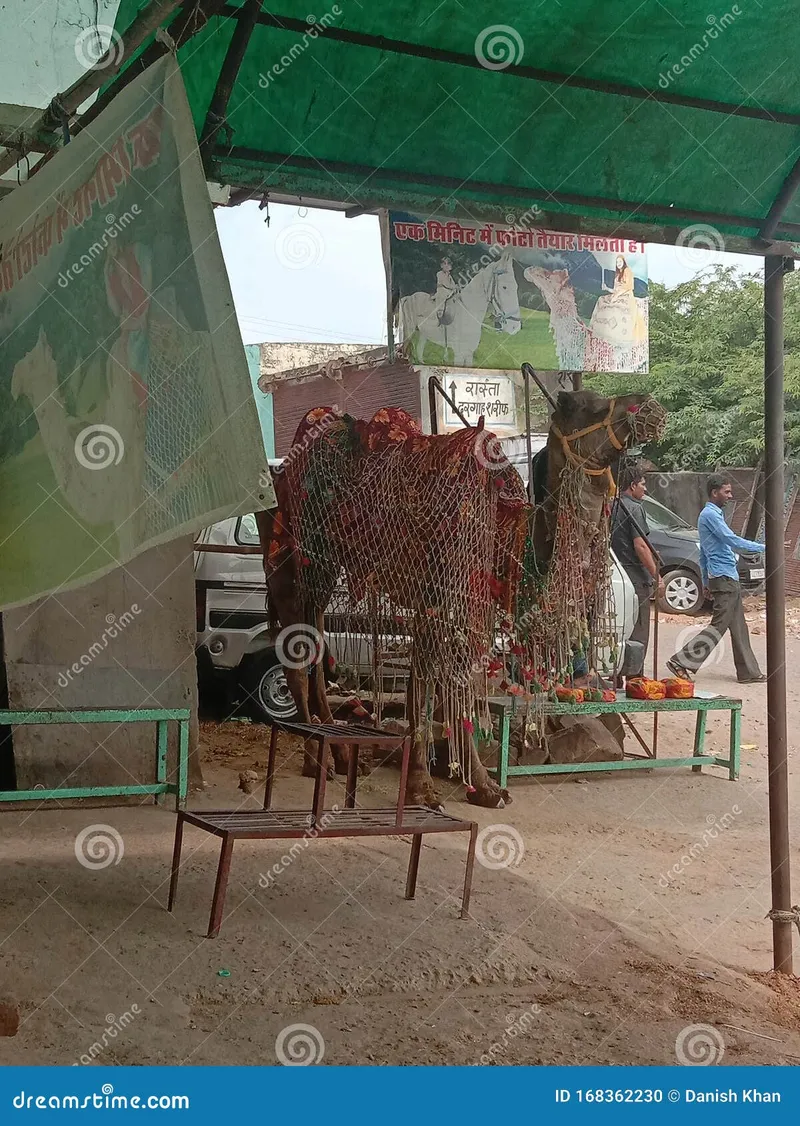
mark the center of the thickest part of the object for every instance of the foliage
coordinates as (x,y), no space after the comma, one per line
(707,369)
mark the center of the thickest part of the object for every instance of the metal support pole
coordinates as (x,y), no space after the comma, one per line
(655,667)
(229,72)
(527,388)
(433,386)
(432,405)
(776,636)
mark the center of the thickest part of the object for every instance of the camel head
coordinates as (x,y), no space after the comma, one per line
(553,285)
(596,429)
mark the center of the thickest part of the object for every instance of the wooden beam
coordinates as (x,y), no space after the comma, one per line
(147,21)
(193,17)
(632,221)
(18,125)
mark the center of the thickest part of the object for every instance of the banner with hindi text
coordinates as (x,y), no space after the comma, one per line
(127,415)
(487,295)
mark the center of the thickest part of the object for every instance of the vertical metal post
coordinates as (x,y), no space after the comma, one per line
(432,405)
(527,385)
(183,764)
(655,667)
(776,636)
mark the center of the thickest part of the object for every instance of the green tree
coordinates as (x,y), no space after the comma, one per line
(707,369)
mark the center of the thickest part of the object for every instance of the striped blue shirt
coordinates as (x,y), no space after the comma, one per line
(717,545)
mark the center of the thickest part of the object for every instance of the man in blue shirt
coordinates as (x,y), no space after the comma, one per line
(718,543)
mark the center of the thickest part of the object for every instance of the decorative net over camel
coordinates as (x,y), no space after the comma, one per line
(417,540)
(425,549)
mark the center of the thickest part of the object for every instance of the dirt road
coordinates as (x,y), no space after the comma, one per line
(599,943)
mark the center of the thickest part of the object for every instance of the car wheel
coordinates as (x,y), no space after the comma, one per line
(683,593)
(268,695)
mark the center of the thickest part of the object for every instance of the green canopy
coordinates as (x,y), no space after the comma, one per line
(659,112)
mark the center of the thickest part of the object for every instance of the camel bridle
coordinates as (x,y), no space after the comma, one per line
(574,458)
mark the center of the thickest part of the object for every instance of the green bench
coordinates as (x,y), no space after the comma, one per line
(702,703)
(160,716)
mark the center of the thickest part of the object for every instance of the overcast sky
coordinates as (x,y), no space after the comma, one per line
(315,276)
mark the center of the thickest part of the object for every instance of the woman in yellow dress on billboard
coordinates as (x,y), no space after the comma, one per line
(616,317)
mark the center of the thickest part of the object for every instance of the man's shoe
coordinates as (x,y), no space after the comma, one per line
(752,679)
(679,670)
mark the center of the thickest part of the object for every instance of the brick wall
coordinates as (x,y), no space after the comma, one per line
(360,392)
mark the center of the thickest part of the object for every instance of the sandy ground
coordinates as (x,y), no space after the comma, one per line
(597,944)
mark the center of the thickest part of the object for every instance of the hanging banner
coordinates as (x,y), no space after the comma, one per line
(484,295)
(127,415)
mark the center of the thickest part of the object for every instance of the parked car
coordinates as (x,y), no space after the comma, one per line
(236,647)
(678,544)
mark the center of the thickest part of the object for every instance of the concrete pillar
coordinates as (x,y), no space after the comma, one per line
(126,640)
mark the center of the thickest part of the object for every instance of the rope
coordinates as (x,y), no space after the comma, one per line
(779,916)
(575,459)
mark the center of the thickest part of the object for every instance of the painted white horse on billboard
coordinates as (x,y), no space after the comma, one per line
(493,288)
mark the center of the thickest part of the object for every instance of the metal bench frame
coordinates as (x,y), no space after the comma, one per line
(504,707)
(286,824)
(162,717)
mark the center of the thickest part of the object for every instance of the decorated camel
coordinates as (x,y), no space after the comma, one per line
(434,536)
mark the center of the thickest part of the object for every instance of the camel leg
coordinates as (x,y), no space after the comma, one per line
(487,792)
(420,789)
(297,680)
(319,703)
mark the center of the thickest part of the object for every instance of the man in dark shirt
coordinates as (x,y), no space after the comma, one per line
(629,539)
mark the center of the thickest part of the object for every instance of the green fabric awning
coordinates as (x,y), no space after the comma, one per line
(660,112)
